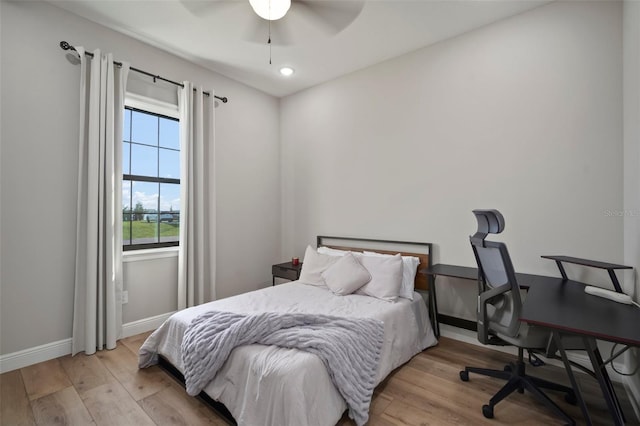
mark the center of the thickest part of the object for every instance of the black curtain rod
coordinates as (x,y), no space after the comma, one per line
(66,46)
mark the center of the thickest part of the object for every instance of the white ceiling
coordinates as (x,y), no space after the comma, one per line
(227,37)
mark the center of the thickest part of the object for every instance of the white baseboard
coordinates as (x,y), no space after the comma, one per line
(48,351)
(144,325)
(26,357)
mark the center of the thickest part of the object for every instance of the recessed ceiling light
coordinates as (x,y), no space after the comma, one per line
(286,71)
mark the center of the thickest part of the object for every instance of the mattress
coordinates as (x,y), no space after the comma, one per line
(267,385)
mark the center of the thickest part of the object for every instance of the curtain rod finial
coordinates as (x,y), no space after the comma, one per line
(65,46)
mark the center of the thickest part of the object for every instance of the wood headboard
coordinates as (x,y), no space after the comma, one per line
(405,248)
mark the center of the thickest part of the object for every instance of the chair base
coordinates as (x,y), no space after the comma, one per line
(518,380)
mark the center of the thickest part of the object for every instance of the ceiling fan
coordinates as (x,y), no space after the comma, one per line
(271,10)
(286,21)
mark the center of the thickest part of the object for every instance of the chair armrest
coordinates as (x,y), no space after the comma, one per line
(485,298)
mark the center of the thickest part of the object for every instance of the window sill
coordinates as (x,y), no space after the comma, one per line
(149,254)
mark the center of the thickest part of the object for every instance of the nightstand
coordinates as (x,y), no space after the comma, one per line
(286,270)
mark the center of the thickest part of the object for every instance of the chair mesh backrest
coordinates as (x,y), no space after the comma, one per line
(496,268)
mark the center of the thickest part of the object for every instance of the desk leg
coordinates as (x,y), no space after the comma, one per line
(562,271)
(614,279)
(273,280)
(574,384)
(606,386)
(433,306)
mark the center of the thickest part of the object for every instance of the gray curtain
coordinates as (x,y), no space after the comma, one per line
(97,312)
(197,254)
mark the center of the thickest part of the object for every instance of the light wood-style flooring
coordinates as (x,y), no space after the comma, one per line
(108,389)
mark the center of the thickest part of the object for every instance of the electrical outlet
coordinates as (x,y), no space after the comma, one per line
(125,297)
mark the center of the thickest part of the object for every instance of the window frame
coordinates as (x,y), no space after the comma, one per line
(161,109)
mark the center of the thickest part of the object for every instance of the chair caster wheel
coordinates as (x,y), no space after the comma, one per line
(487,411)
(507,368)
(570,398)
(464,376)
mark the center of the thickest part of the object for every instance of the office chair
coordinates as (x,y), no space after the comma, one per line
(499,307)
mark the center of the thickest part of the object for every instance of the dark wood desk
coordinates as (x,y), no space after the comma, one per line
(471,273)
(466,273)
(563,307)
(610,267)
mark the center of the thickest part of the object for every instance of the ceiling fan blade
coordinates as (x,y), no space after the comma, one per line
(200,7)
(330,16)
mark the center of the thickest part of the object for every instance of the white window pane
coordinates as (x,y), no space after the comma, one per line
(144,160)
(145,212)
(169,163)
(169,197)
(169,133)
(127,214)
(170,216)
(126,146)
(144,196)
(126,127)
(144,128)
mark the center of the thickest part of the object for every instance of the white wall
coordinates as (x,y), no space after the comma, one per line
(632,162)
(151,283)
(39,91)
(632,136)
(524,115)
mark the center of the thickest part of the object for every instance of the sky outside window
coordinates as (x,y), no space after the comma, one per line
(151,148)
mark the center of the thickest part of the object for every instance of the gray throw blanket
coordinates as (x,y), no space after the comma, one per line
(349,348)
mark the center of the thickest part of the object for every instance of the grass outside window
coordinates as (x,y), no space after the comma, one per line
(141,229)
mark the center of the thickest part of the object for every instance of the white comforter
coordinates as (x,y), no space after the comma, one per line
(267,385)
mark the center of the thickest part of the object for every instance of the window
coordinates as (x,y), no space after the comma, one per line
(150,177)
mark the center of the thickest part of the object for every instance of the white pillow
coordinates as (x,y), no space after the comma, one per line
(409,270)
(313,265)
(331,252)
(386,276)
(346,275)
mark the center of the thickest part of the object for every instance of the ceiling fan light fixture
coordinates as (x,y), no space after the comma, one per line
(270,9)
(286,71)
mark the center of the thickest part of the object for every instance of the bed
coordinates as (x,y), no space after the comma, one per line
(270,385)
